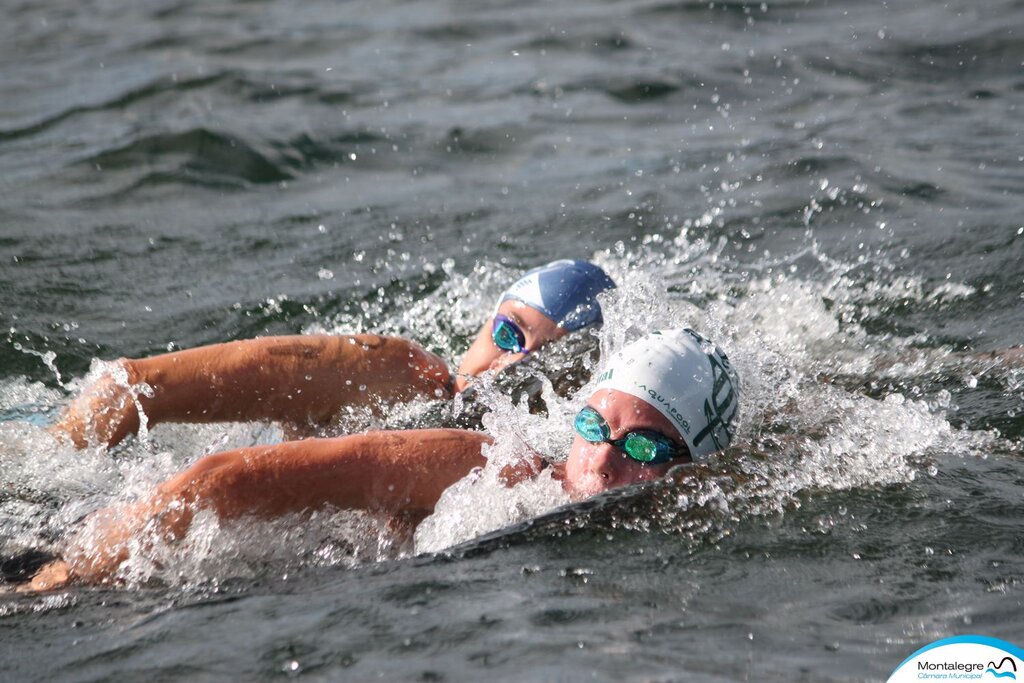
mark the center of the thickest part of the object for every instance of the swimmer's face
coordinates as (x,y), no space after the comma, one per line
(484,355)
(596,467)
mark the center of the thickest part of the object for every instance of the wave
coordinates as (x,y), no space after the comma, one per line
(197,155)
(154,88)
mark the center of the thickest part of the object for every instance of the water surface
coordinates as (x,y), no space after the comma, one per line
(830,190)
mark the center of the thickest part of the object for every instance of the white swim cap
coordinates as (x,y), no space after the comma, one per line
(687,379)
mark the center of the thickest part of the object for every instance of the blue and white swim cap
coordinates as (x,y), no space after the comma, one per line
(565,291)
(687,379)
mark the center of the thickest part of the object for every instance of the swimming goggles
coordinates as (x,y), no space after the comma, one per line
(645,446)
(507,335)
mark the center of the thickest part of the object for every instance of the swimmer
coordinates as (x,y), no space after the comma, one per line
(303,381)
(668,399)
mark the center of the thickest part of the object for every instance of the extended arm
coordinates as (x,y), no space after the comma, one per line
(306,378)
(393,472)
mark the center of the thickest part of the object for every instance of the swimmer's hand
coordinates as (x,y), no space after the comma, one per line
(104,413)
(528,468)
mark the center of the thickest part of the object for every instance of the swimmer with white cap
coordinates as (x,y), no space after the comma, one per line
(668,399)
(304,381)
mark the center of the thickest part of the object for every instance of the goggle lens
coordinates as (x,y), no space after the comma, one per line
(640,448)
(507,336)
(591,426)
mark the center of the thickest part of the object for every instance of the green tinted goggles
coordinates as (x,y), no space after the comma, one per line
(645,446)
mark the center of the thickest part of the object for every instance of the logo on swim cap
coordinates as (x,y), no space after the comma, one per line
(666,407)
(565,291)
(687,379)
(721,406)
(527,289)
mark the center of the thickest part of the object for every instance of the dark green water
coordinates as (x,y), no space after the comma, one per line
(831,190)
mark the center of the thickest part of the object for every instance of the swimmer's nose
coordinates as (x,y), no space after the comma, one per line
(602,470)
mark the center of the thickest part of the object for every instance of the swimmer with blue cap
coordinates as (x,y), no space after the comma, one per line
(305,381)
(545,304)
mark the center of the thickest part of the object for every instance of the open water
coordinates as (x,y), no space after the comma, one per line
(831,190)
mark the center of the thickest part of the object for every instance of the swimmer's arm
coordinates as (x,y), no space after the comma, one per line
(1009,357)
(1013,355)
(299,379)
(402,472)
